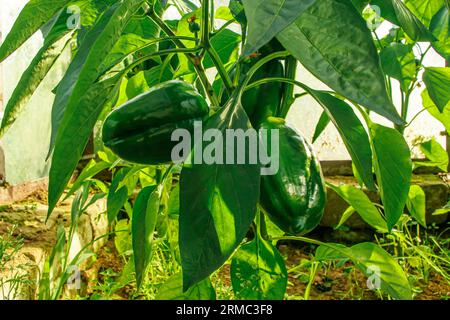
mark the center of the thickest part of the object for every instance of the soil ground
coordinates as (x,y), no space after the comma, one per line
(336,283)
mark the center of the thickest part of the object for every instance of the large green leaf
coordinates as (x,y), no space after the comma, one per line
(417,205)
(437,81)
(374,262)
(435,153)
(362,204)
(322,124)
(440,28)
(117,194)
(258,272)
(145,214)
(144,80)
(54,44)
(32,17)
(172,289)
(226,43)
(91,169)
(217,202)
(425,9)
(412,26)
(332,40)
(398,13)
(382,270)
(393,168)
(352,132)
(74,136)
(399,62)
(87,63)
(267,18)
(238,12)
(137,34)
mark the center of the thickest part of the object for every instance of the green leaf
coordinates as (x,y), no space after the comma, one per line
(117,196)
(91,169)
(328,252)
(137,34)
(352,132)
(416,204)
(258,272)
(74,136)
(122,238)
(440,28)
(332,40)
(322,124)
(398,61)
(437,81)
(398,13)
(224,13)
(32,17)
(382,270)
(55,42)
(345,216)
(269,17)
(217,203)
(444,210)
(362,204)
(145,214)
(237,10)
(393,168)
(377,264)
(172,289)
(425,9)
(434,152)
(412,26)
(173,205)
(144,80)
(87,63)
(226,43)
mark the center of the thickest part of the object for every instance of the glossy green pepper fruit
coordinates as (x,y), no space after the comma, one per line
(295,197)
(140,130)
(263,101)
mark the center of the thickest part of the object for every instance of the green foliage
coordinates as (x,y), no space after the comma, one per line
(360,203)
(198,217)
(345,61)
(258,271)
(440,28)
(173,290)
(145,214)
(399,62)
(435,153)
(268,18)
(393,168)
(416,204)
(214,220)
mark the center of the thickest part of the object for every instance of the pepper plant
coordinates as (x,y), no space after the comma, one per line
(230,68)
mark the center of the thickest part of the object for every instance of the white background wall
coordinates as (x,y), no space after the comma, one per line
(25,145)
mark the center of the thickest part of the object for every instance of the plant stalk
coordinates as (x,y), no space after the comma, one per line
(288,95)
(194,59)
